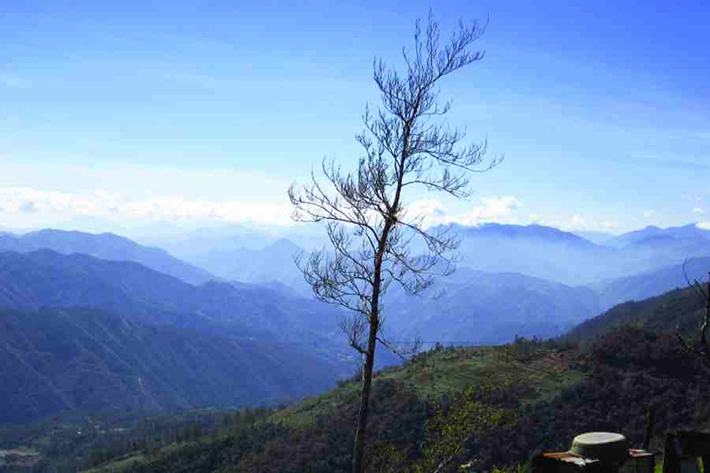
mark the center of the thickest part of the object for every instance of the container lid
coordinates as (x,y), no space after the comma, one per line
(606,447)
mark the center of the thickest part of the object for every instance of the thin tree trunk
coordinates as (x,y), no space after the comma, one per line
(361,430)
(707,322)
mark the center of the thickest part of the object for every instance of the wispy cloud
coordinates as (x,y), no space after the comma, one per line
(101,203)
(142,182)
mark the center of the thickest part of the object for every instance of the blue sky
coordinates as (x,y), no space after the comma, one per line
(204,112)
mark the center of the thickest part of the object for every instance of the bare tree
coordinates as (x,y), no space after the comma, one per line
(406,145)
(702,348)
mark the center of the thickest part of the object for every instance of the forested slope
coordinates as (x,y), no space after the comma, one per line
(546,393)
(87,360)
(678,311)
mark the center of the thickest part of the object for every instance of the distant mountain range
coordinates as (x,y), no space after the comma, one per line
(189,244)
(105,246)
(552,254)
(690,231)
(523,232)
(600,238)
(652,283)
(252,326)
(534,250)
(247,255)
(275,262)
(473,307)
(45,278)
(82,310)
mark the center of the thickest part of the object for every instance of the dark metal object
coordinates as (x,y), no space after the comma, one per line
(683,448)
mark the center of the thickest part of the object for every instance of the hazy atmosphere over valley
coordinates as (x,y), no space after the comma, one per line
(154,158)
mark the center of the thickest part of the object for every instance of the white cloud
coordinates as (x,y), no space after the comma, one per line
(490,209)
(577,223)
(430,211)
(101,203)
(145,182)
(649,213)
(495,207)
(698,211)
(504,209)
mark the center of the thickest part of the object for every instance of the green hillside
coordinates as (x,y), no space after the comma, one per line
(678,311)
(504,403)
(316,433)
(545,392)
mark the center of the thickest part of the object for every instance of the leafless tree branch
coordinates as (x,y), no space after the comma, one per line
(704,296)
(405,143)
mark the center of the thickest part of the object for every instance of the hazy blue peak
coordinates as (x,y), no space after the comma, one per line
(654,233)
(692,229)
(533,231)
(48,234)
(108,246)
(636,236)
(283,245)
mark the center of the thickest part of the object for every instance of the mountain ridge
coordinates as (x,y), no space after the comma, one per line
(108,246)
(47,278)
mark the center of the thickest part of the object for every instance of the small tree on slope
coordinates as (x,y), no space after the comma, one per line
(701,348)
(406,145)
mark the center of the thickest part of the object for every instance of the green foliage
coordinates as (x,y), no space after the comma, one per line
(524,350)
(454,426)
